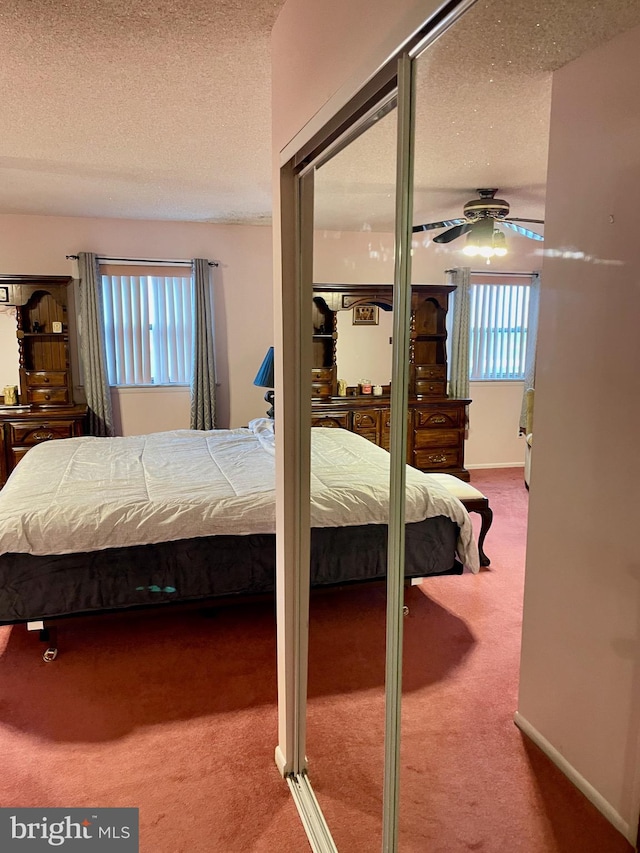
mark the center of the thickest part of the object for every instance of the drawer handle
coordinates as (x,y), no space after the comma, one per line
(46,379)
(437,457)
(438,419)
(42,436)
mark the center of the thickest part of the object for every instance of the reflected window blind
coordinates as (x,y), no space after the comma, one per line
(498,331)
(148,328)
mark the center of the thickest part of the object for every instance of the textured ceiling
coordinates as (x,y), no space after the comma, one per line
(155,109)
(160,109)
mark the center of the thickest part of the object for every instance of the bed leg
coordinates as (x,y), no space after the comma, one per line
(481,506)
(486,515)
(48,635)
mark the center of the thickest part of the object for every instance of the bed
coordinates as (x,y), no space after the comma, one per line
(100,524)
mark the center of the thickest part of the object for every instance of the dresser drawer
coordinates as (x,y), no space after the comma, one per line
(34,432)
(336,420)
(385,432)
(435,438)
(366,423)
(48,396)
(36,378)
(366,420)
(321,389)
(438,418)
(436,459)
(16,454)
(430,388)
(322,382)
(322,374)
(431,371)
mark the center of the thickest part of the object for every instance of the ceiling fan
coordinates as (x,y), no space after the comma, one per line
(481,216)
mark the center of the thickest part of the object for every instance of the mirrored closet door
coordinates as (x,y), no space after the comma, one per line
(351,309)
(473,93)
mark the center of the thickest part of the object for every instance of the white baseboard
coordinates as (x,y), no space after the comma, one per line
(495,465)
(576,778)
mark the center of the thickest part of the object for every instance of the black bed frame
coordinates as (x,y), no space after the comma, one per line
(38,588)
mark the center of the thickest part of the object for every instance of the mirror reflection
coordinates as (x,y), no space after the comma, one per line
(353,259)
(363,346)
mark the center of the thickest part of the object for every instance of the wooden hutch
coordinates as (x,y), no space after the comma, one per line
(436,422)
(45,409)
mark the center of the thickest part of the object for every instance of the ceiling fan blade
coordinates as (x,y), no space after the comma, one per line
(519,219)
(453,233)
(523,231)
(446,223)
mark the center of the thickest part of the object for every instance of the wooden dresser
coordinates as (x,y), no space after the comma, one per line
(435,422)
(46,409)
(435,429)
(23,429)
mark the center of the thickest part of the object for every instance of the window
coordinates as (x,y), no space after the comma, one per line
(148,328)
(498,331)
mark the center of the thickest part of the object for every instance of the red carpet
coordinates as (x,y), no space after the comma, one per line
(171,710)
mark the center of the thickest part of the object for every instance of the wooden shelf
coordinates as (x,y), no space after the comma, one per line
(62,335)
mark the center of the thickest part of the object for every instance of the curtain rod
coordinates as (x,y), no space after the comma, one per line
(142,261)
(497,272)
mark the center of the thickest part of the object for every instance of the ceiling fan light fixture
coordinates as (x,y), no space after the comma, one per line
(499,244)
(471,248)
(480,215)
(485,246)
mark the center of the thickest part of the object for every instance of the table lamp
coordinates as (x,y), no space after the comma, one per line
(264,379)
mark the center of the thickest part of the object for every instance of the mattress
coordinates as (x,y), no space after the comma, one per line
(96,524)
(88,494)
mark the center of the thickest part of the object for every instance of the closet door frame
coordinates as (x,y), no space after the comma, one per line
(293,358)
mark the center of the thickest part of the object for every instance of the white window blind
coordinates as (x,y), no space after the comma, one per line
(498,331)
(148,328)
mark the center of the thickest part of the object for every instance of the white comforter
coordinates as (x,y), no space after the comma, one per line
(87,494)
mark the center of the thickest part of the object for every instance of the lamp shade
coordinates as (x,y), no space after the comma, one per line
(264,376)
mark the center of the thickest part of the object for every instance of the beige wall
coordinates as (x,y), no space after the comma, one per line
(359,257)
(580,675)
(494,422)
(242,288)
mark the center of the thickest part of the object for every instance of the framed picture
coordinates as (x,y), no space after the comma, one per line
(365,315)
